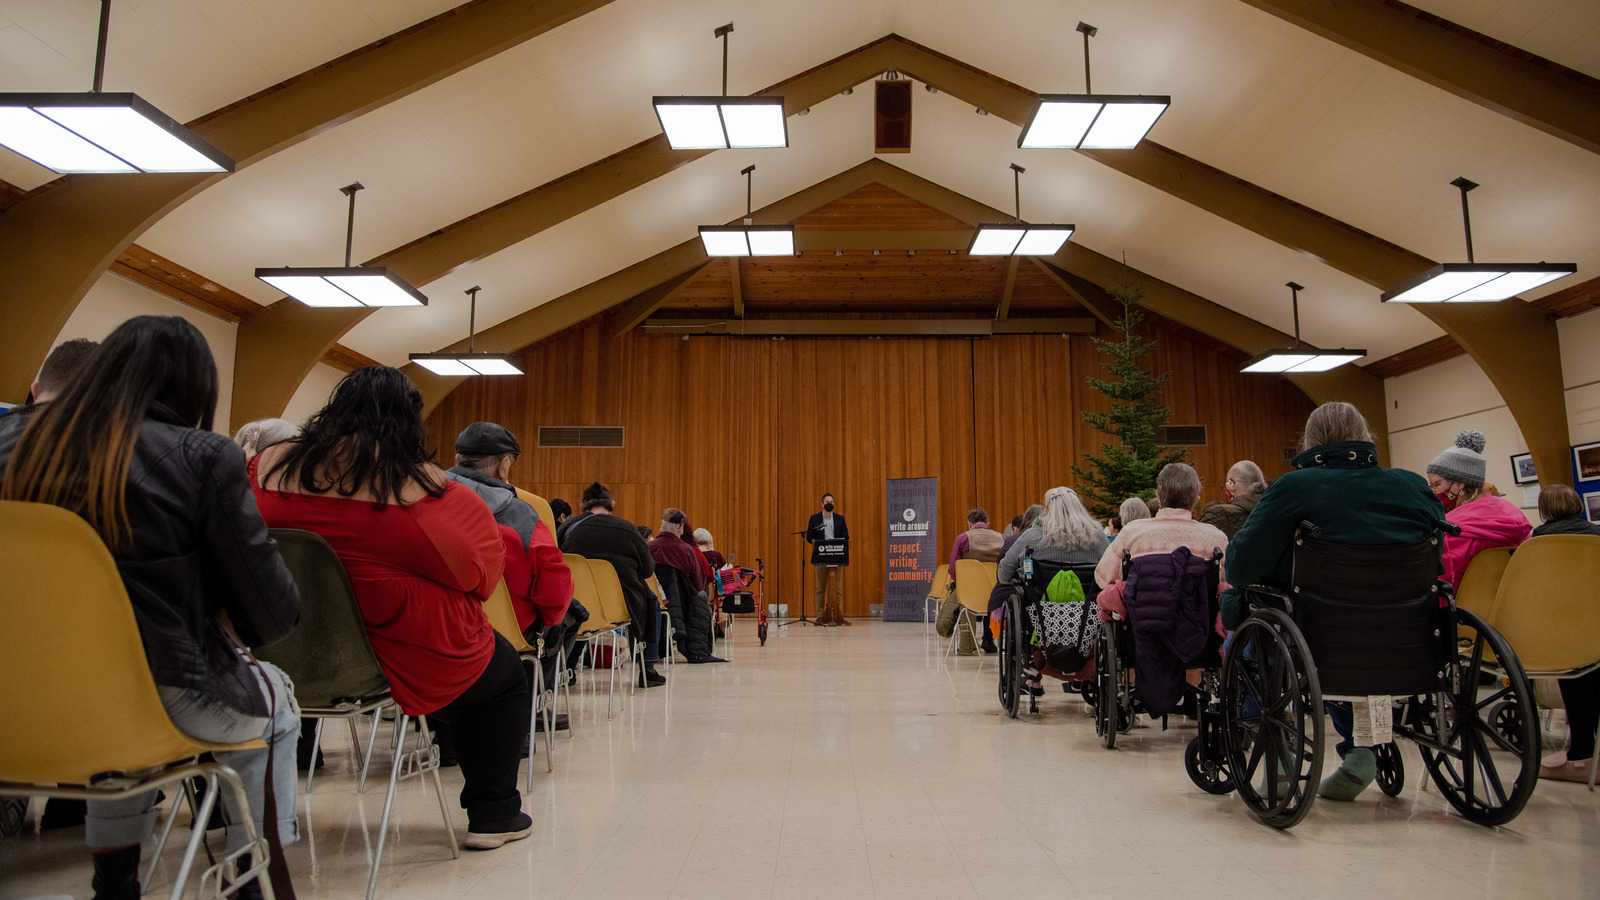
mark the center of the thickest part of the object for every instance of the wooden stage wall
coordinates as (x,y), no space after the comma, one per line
(745,434)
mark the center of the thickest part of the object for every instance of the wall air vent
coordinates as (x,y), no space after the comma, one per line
(594,436)
(1181,436)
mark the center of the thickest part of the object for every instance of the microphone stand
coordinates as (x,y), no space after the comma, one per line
(802,620)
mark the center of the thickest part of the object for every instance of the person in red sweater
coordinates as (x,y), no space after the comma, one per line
(423,554)
(537,578)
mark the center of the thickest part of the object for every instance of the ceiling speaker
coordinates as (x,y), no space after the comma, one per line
(892,117)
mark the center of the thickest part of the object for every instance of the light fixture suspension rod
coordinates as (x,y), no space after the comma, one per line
(722,33)
(1466,214)
(1016,183)
(1296,289)
(472,316)
(749,189)
(100,48)
(349,190)
(1088,31)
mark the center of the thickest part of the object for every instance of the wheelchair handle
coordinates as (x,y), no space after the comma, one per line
(1448,527)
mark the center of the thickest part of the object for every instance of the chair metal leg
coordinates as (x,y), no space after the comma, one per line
(372,741)
(398,743)
(563,689)
(426,742)
(316,745)
(185,793)
(228,878)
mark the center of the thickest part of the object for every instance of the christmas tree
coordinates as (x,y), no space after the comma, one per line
(1127,468)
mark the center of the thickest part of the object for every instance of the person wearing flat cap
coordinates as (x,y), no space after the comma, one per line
(596,532)
(1457,476)
(538,580)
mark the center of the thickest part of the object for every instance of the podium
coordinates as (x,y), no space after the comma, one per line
(830,552)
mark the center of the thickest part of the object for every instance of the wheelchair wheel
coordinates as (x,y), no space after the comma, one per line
(1391,769)
(1107,705)
(1010,660)
(1272,719)
(1507,720)
(1209,775)
(1486,776)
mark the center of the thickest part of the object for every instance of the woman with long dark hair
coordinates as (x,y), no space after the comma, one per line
(127,445)
(423,554)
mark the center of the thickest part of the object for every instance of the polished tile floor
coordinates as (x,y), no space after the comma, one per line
(856,762)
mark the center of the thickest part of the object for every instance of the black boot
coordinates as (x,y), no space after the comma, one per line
(116,874)
(252,890)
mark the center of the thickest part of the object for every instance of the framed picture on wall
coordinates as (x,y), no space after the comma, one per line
(1586,461)
(1591,506)
(1522,469)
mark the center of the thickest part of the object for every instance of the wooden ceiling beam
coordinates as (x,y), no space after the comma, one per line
(738,292)
(872,327)
(644,304)
(1530,89)
(54,244)
(1010,285)
(819,241)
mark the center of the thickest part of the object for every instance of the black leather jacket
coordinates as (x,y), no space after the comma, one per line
(197,548)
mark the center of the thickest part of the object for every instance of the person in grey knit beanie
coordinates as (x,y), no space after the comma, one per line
(1464,462)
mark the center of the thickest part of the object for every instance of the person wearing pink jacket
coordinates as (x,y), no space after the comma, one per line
(1457,476)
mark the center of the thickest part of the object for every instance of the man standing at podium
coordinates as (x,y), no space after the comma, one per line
(828,526)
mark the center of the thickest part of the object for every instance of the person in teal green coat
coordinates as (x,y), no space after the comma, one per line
(1338,486)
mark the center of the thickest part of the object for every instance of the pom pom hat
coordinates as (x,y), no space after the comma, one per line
(1464,462)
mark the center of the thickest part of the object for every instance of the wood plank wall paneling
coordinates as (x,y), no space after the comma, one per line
(745,434)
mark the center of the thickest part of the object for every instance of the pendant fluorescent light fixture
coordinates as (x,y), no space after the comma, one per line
(1019,238)
(748,239)
(1301,358)
(723,122)
(1088,120)
(102,133)
(468,363)
(345,285)
(1472,281)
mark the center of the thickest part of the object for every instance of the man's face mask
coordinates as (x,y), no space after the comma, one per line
(828,506)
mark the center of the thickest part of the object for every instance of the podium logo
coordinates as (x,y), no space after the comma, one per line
(909,514)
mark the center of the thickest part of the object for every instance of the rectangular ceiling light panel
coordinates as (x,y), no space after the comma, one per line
(748,240)
(1476,282)
(1303,361)
(1094,121)
(719,123)
(1019,240)
(1044,240)
(106,133)
(344,286)
(461,364)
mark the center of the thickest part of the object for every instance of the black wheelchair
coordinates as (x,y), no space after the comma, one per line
(1020,621)
(1116,701)
(1370,622)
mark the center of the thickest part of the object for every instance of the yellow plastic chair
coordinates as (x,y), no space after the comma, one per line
(614,608)
(1481,582)
(938,590)
(541,506)
(594,631)
(975,580)
(654,584)
(82,716)
(503,616)
(1546,609)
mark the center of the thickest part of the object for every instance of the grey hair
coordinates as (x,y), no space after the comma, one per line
(484,465)
(1066,523)
(1031,515)
(1335,422)
(254,437)
(1131,509)
(1178,486)
(1247,478)
(702,538)
(977,515)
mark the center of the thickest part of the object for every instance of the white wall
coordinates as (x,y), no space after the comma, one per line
(114,300)
(1429,407)
(313,393)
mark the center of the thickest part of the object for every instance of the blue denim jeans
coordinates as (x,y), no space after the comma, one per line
(118,823)
(1343,722)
